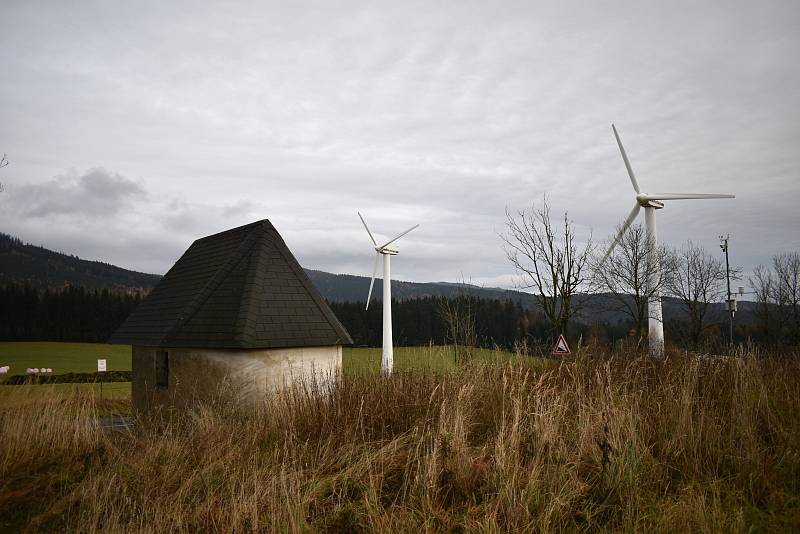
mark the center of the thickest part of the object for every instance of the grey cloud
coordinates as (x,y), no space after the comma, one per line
(439,113)
(97,192)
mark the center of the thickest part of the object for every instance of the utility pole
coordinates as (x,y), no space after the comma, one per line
(731,302)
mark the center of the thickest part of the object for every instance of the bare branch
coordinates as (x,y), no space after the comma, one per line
(548,260)
(3,163)
(628,276)
(697,279)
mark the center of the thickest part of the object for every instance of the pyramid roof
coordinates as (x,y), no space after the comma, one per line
(240,289)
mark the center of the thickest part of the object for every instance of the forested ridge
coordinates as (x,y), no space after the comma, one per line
(83,315)
(22,263)
(50,296)
(86,315)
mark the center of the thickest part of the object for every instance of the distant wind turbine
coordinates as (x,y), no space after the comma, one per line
(651,202)
(387,354)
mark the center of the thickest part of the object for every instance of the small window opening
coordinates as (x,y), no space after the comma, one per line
(162,369)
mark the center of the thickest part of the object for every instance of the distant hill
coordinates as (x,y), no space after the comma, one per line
(348,287)
(42,268)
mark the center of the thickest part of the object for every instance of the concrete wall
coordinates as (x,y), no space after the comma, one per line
(196,374)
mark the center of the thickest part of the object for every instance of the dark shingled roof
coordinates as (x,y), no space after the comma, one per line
(237,289)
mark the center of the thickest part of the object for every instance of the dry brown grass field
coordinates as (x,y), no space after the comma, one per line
(599,443)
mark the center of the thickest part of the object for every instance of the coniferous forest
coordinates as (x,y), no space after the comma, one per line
(83,315)
(69,314)
(80,314)
(421,321)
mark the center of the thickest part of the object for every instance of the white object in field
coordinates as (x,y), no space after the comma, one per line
(101,365)
(387,353)
(651,202)
(3,370)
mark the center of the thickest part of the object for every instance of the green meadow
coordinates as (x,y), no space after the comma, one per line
(63,357)
(82,357)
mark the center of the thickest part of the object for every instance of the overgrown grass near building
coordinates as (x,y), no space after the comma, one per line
(599,443)
(28,393)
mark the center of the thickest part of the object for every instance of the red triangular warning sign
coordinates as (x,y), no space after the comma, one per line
(561,346)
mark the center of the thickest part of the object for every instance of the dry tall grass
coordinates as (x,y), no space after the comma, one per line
(594,444)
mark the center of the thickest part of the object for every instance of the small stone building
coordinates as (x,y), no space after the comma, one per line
(236,309)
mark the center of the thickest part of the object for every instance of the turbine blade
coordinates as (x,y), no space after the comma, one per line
(367,228)
(627,163)
(398,237)
(372,281)
(631,217)
(684,196)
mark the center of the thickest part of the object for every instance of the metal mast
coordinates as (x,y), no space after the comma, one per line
(731,302)
(387,353)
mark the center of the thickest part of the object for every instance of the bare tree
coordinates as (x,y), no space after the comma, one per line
(3,163)
(459,314)
(627,275)
(787,286)
(765,288)
(697,279)
(549,260)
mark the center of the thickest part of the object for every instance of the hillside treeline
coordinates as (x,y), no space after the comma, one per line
(464,320)
(84,315)
(423,320)
(23,263)
(71,314)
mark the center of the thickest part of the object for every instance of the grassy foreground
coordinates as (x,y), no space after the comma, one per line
(594,444)
(30,393)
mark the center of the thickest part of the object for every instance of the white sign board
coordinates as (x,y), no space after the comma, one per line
(101,366)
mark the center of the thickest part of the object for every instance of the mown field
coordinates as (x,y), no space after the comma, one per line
(602,442)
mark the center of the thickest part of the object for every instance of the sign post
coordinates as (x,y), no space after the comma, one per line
(101,368)
(561,348)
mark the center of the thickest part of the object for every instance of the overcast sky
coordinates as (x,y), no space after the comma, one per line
(134,129)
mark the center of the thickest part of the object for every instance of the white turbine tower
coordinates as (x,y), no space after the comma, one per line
(387,354)
(651,202)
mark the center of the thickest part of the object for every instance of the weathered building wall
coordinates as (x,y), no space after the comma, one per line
(201,373)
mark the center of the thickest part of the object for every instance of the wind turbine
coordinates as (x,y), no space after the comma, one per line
(387,354)
(651,202)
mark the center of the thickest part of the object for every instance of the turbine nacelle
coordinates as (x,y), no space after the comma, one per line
(387,250)
(646,202)
(384,250)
